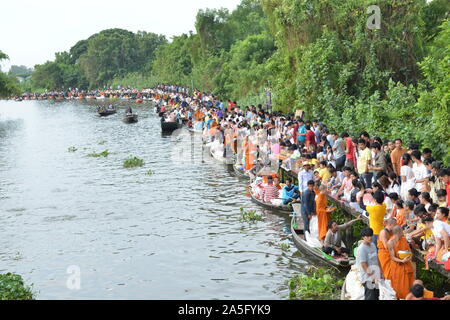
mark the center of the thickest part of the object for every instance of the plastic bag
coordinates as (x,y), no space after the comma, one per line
(386,291)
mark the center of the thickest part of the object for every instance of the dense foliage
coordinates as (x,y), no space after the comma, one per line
(95,62)
(314,55)
(316,284)
(9,85)
(12,287)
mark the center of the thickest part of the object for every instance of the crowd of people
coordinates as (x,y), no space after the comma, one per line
(404,192)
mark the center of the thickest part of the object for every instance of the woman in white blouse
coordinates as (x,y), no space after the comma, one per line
(394,187)
(407,176)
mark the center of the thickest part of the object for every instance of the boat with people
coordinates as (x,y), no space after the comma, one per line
(240,171)
(169,126)
(304,242)
(130,118)
(106,112)
(271,206)
(217,152)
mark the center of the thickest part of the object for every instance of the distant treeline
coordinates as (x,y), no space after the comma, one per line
(318,56)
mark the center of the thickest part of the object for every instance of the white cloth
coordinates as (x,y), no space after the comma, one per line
(420,172)
(438,226)
(386,290)
(406,171)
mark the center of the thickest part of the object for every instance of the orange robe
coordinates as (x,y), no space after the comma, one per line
(249,156)
(384,257)
(401,274)
(323,217)
(401,218)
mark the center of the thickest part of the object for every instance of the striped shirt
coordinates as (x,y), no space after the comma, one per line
(269,192)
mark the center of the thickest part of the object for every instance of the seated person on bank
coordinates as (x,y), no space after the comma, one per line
(270,191)
(333,240)
(290,192)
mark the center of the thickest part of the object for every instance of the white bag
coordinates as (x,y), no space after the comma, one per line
(354,290)
(386,291)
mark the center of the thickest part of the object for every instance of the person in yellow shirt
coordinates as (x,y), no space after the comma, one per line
(324,174)
(423,236)
(376,215)
(364,160)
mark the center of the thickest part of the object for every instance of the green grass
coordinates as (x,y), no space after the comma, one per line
(133,162)
(97,155)
(12,287)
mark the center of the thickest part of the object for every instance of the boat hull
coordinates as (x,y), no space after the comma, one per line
(131,119)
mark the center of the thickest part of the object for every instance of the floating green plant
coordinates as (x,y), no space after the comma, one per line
(150,172)
(316,284)
(102,142)
(285,246)
(133,162)
(72,149)
(12,287)
(250,216)
(97,155)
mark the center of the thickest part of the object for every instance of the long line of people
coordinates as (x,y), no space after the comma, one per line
(404,192)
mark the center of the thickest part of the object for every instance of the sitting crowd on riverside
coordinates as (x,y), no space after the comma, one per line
(404,192)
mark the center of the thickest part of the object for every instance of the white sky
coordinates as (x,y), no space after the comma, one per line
(31,31)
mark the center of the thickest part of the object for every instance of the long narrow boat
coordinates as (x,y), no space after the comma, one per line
(270,206)
(130,118)
(105,113)
(299,239)
(218,156)
(170,126)
(242,173)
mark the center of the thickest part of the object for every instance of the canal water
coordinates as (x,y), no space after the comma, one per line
(79,227)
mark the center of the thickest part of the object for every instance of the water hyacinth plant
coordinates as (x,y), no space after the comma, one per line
(72,149)
(250,216)
(285,246)
(12,287)
(133,162)
(150,172)
(316,284)
(97,155)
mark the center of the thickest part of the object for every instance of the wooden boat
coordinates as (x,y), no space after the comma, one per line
(218,156)
(169,126)
(105,113)
(130,118)
(298,236)
(270,206)
(242,173)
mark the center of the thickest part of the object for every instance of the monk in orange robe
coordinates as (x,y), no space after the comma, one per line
(383,253)
(400,271)
(323,214)
(246,148)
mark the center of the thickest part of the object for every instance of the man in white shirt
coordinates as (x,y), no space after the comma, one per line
(305,175)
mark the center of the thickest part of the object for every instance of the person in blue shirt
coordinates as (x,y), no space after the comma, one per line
(301,133)
(308,205)
(290,193)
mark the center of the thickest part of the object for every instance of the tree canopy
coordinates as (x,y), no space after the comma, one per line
(318,56)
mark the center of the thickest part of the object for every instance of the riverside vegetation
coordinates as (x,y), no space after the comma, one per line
(318,56)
